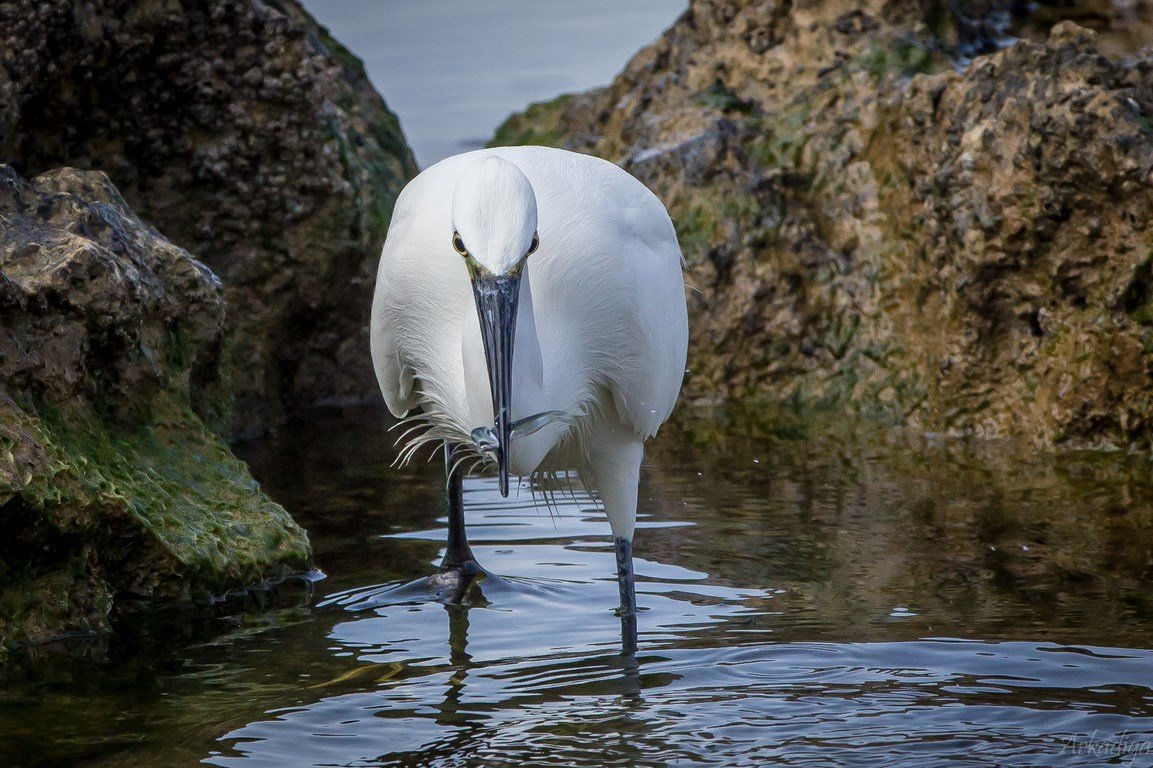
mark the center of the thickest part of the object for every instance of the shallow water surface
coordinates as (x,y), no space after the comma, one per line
(811,596)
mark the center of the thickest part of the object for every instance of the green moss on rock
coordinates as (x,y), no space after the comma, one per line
(113,491)
(539,124)
(883,230)
(161,512)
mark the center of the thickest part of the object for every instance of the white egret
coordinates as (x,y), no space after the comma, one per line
(576,262)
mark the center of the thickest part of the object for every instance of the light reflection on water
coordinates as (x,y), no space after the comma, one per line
(532,674)
(822,597)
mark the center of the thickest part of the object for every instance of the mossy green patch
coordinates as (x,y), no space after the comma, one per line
(781,137)
(720,97)
(539,125)
(381,173)
(697,230)
(905,57)
(93,512)
(705,217)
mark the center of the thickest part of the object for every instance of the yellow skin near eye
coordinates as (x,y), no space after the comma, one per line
(458,246)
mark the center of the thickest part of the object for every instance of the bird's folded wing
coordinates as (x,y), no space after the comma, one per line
(652,338)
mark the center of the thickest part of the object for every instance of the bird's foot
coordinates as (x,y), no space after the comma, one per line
(454,581)
(464,569)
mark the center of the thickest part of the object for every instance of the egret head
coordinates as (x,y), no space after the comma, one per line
(494,231)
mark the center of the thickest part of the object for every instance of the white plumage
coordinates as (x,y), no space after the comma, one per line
(600,330)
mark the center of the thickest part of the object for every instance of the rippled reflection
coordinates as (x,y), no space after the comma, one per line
(811,595)
(535,639)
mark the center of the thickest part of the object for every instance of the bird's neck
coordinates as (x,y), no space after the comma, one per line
(530,395)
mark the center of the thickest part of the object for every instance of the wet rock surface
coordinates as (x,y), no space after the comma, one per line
(113,491)
(246,134)
(875,221)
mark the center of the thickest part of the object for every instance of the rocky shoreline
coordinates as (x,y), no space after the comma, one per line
(932,214)
(874,222)
(245,134)
(113,489)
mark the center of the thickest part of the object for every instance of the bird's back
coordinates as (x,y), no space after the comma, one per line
(606,283)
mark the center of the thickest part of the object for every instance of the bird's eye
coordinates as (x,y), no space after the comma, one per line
(458,244)
(533,245)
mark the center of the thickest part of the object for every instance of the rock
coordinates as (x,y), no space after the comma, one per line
(113,490)
(245,133)
(874,223)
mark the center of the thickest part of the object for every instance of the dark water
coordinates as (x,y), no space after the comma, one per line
(812,595)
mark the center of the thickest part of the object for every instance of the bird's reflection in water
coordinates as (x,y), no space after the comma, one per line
(449,709)
(459,596)
(468,727)
(627,685)
(546,639)
(458,660)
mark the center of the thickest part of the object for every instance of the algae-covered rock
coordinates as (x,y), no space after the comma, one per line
(112,489)
(242,131)
(873,222)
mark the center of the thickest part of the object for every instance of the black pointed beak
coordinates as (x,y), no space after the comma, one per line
(496,300)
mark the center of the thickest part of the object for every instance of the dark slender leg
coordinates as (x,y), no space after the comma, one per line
(458,552)
(458,557)
(625,579)
(626,582)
